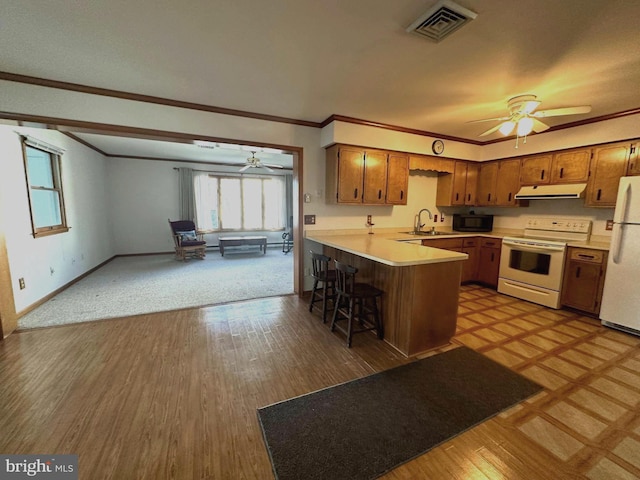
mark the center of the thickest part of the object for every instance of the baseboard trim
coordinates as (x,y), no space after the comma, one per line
(49,296)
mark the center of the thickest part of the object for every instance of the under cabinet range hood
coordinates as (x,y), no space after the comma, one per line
(549,192)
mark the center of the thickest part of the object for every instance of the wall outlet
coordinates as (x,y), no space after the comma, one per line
(51,271)
(609,225)
(21,283)
(309,219)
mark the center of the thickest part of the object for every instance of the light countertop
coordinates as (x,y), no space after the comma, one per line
(394,249)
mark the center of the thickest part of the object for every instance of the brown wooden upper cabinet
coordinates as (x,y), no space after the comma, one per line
(608,165)
(634,160)
(498,183)
(536,170)
(374,188)
(569,166)
(458,188)
(362,176)
(487,179)
(397,179)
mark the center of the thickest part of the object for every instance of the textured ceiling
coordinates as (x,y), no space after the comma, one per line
(309,59)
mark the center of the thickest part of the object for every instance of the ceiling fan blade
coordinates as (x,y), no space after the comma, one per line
(244,168)
(267,168)
(556,112)
(497,119)
(491,130)
(530,106)
(272,165)
(538,126)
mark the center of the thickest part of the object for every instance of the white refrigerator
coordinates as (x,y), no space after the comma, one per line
(621,297)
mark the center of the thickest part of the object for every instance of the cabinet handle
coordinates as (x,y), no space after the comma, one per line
(379,194)
(561,172)
(355,193)
(492,256)
(469,197)
(599,194)
(582,255)
(578,272)
(542,175)
(401,194)
(457,196)
(488,197)
(509,196)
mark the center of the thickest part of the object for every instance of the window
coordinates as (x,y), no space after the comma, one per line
(44,185)
(239,203)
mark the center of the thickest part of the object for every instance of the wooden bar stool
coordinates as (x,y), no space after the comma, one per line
(322,274)
(355,302)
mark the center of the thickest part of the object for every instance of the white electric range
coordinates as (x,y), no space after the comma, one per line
(531,266)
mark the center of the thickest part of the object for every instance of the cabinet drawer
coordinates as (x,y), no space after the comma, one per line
(586,255)
(444,243)
(490,242)
(470,242)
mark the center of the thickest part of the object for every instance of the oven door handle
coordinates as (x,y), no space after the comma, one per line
(533,248)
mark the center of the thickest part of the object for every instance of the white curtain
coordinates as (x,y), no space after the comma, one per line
(205,189)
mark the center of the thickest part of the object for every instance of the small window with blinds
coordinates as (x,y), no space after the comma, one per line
(44,185)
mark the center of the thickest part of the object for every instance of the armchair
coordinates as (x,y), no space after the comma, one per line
(187,242)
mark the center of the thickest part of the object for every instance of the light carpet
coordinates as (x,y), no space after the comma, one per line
(143,284)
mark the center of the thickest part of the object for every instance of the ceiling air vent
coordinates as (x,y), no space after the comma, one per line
(444,18)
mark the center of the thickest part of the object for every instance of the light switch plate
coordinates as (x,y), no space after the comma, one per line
(309,219)
(609,225)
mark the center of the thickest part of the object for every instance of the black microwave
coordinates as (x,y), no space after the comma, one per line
(472,223)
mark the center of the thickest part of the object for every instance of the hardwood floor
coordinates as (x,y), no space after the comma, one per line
(174,395)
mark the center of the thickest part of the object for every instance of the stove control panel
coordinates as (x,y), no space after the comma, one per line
(576,225)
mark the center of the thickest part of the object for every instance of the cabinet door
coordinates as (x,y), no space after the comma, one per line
(471,184)
(581,284)
(487,183)
(459,183)
(397,179)
(608,165)
(508,182)
(375,177)
(470,267)
(489,262)
(634,161)
(535,170)
(350,175)
(571,166)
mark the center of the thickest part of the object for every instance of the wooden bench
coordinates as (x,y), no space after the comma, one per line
(259,240)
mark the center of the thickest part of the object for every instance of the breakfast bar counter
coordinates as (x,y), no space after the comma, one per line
(421,284)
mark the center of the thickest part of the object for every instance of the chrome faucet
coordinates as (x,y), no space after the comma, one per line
(419,224)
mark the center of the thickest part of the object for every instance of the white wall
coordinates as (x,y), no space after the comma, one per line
(47,263)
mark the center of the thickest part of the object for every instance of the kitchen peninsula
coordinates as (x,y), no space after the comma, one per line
(421,284)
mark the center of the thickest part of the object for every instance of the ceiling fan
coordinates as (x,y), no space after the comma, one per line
(523,116)
(253,162)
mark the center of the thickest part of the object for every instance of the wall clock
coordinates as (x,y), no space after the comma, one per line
(437,147)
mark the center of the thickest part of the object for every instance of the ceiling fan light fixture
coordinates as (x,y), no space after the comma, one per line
(525,126)
(507,127)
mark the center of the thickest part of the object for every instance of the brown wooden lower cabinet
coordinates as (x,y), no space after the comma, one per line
(470,267)
(489,261)
(478,268)
(583,282)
